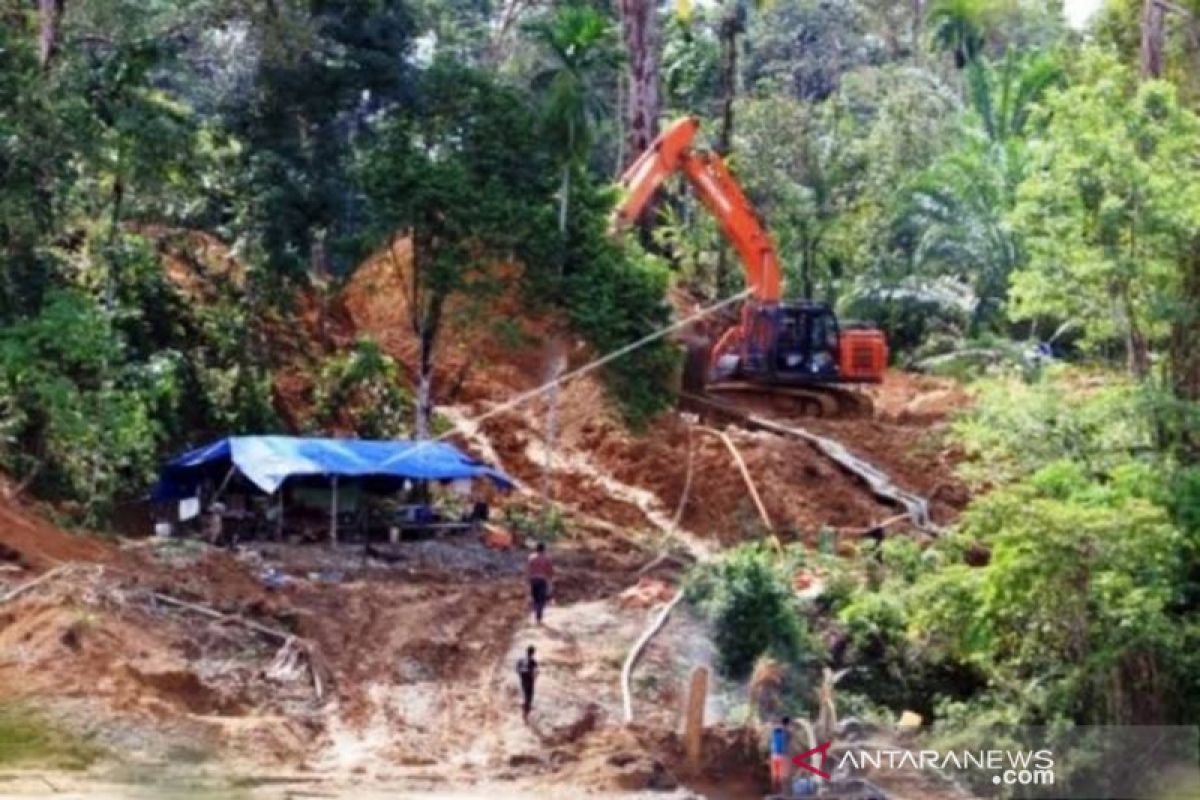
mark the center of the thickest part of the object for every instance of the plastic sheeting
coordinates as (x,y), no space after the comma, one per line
(268,461)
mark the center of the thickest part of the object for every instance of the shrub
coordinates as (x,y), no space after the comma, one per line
(361,388)
(615,297)
(530,524)
(753,609)
(28,739)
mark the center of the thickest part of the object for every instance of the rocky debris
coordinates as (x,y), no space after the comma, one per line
(637,771)
(647,593)
(564,724)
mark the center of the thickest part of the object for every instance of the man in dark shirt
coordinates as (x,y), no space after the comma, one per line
(527,670)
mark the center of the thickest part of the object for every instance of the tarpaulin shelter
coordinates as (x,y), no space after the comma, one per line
(269,461)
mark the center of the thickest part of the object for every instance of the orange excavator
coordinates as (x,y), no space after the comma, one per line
(794,352)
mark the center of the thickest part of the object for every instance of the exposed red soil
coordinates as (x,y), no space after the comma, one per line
(29,541)
(800,488)
(102,639)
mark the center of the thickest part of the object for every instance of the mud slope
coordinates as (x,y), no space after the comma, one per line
(483,363)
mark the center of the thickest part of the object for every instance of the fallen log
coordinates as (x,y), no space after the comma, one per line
(289,654)
(212,613)
(38,581)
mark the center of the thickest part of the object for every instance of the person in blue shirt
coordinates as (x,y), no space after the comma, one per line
(781,744)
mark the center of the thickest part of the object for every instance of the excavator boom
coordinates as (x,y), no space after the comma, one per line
(672,153)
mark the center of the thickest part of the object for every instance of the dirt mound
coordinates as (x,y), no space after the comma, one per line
(127,661)
(490,345)
(639,758)
(30,542)
(909,398)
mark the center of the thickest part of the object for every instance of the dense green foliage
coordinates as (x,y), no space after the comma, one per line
(304,136)
(1084,609)
(361,388)
(749,598)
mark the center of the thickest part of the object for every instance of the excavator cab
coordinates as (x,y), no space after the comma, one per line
(791,343)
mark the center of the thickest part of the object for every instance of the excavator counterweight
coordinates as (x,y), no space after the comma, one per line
(794,349)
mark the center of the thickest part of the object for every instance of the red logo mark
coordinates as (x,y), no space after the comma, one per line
(799,760)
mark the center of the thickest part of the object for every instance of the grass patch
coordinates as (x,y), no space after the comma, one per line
(28,739)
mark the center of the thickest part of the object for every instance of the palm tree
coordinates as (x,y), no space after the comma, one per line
(958,213)
(958,26)
(1003,97)
(582,45)
(958,208)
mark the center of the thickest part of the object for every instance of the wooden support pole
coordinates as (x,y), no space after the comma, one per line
(333,512)
(693,735)
(279,517)
(224,485)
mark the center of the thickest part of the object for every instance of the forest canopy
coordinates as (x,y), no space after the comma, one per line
(1014,201)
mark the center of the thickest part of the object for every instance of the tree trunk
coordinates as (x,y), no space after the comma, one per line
(1153,33)
(114,232)
(50,14)
(1185,348)
(808,267)
(1136,348)
(320,278)
(564,199)
(639,19)
(643,104)
(426,305)
(425,383)
(918,27)
(731,26)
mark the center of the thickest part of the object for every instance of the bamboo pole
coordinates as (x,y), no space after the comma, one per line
(693,735)
(750,487)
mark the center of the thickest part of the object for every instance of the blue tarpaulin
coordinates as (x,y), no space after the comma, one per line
(268,461)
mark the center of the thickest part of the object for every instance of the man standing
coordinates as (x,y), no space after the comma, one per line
(540,572)
(214,529)
(527,670)
(781,743)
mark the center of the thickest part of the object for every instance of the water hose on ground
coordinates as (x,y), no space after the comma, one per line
(635,652)
(758,503)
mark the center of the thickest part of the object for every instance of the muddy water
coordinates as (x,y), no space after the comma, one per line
(69,786)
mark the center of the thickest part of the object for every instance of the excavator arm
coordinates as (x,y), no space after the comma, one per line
(708,175)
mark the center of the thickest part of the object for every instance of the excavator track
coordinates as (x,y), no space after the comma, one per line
(819,400)
(827,400)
